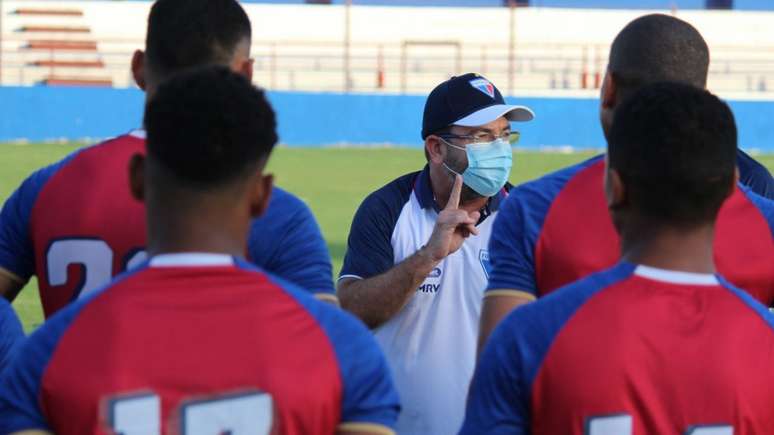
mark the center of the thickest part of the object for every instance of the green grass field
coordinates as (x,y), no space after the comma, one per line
(332,181)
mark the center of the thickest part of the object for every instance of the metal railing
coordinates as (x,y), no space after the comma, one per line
(409,67)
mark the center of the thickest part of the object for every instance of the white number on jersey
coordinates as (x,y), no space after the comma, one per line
(238,414)
(621,424)
(94,255)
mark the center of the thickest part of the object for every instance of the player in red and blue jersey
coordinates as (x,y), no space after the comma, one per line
(74,224)
(196,340)
(556,230)
(660,343)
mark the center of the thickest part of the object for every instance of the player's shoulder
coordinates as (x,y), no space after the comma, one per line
(552,311)
(531,328)
(551,184)
(39,178)
(285,202)
(46,338)
(754,175)
(541,192)
(327,316)
(753,304)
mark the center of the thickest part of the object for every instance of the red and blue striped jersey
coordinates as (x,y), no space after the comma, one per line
(629,351)
(557,229)
(75,225)
(198,343)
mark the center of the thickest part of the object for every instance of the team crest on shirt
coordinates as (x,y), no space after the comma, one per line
(484,86)
(483,257)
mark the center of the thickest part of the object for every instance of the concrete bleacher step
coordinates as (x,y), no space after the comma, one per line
(77,81)
(49,12)
(68,63)
(65,45)
(53,29)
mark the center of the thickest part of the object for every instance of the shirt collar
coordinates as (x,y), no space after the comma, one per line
(191,259)
(423,189)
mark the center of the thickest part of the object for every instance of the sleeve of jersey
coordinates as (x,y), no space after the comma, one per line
(511,248)
(20,382)
(369,247)
(370,402)
(497,402)
(11,333)
(764,205)
(758,178)
(301,255)
(16,253)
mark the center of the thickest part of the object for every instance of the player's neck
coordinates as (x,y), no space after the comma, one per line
(670,248)
(197,231)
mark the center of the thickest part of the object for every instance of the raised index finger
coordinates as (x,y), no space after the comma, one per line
(454,196)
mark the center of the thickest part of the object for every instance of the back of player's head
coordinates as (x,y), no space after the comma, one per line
(658,48)
(209,127)
(188,33)
(674,148)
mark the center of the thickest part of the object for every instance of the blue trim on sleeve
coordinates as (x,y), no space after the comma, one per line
(368,392)
(20,382)
(16,250)
(755,175)
(369,246)
(751,302)
(517,229)
(499,400)
(287,242)
(11,333)
(764,205)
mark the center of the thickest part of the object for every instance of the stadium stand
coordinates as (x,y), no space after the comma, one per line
(527,50)
(55,42)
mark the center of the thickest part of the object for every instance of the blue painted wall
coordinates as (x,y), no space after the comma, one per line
(305,119)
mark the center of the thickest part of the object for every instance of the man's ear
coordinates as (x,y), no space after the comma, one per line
(615,190)
(137,176)
(436,151)
(138,68)
(609,92)
(260,194)
(246,68)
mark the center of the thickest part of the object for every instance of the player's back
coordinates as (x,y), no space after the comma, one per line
(75,224)
(637,350)
(202,333)
(564,233)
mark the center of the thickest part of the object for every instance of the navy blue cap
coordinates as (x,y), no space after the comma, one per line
(468,100)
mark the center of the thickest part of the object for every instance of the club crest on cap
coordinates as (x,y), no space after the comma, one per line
(484,86)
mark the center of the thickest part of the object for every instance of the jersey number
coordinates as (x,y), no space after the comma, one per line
(94,255)
(238,414)
(621,424)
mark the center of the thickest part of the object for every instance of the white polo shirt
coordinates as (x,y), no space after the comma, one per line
(430,344)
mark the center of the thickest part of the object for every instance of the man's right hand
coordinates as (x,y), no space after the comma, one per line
(452,227)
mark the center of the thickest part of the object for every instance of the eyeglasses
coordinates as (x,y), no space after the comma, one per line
(511,137)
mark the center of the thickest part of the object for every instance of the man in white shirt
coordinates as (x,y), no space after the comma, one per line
(419,244)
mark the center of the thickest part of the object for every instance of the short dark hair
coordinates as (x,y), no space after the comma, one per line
(188,33)
(674,146)
(208,127)
(658,48)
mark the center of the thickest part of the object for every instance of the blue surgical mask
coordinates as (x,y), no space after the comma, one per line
(489,165)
